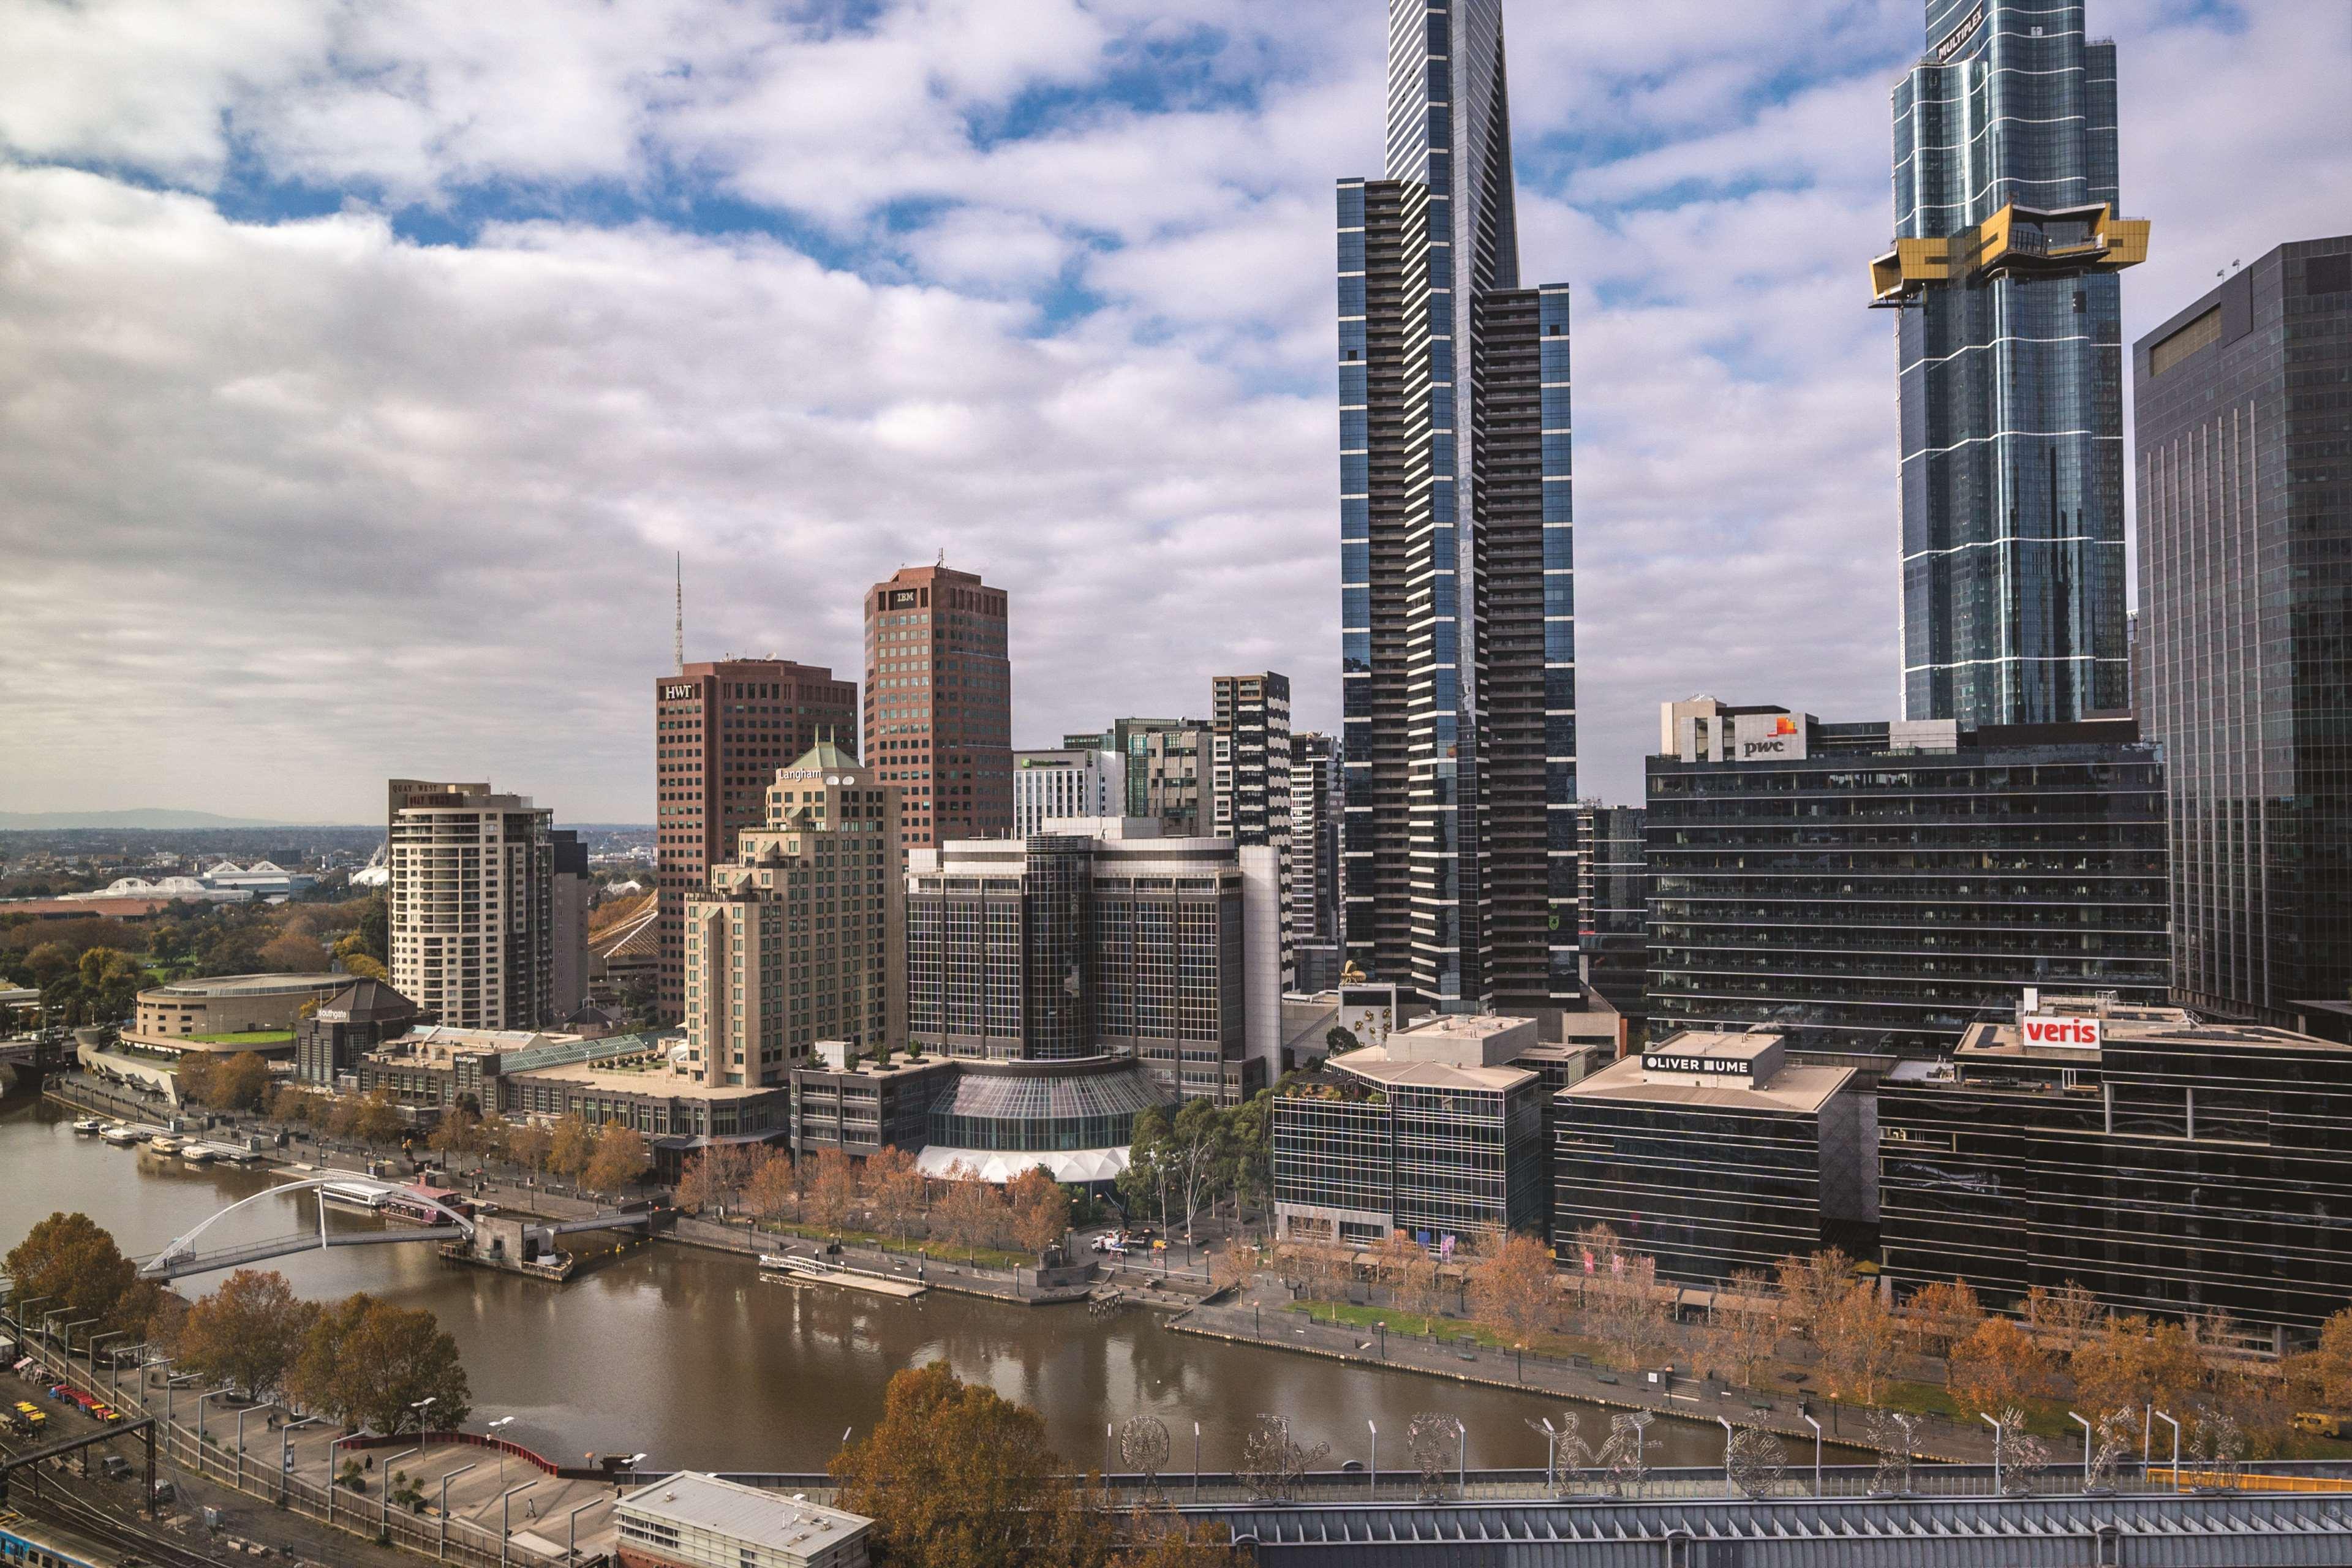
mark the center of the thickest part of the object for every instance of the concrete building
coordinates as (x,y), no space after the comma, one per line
(1458,609)
(939,702)
(2171,1165)
(2246,672)
(1160,760)
(1315,785)
(1066,781)
(1249,740)
(801,936)
(2008,241)
(694,1520)
(438,1068)
(364,1014)
(569,894)
(721,732)
(1713,1152)
(1438,1133)
(1613,868)
(659,1095)
(864,1104)
(470,909)
(1875,889)
(226,1014)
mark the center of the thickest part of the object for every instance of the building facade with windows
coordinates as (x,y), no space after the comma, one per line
(2003,273)
(2245,573)
(1457,612)
(801,936)
(2171,1165)
(470,909)
(939,702)
(331,1040)
(1249,739)
(721,732)
(1612,869)
(1069,782)
(1875,889)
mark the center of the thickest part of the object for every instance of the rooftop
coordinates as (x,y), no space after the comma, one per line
(226,985)
(749,1515)
(662,1078)
(1376,1065)
(1791,1090)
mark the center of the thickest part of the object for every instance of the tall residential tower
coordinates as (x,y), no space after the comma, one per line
(1457,613)
(939,702)
(2009,340)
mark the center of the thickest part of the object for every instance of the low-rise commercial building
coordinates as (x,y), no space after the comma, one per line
(1714,1153)
(863,1105)
(665,1099)
(364,1014)
(440,1068)
(2172,1166)
(1066,781)
(1436,1134)
(694,1520)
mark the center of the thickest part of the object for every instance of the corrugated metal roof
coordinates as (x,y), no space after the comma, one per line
(691,1500)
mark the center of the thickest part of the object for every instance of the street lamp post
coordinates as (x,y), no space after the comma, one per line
(1817,1450)
(171,1386)
(1374,1427)
(383,1522)
(96,1341)
(572,1524)
(1728,1436)
(216,1393)
(1999,1434)
(495,1426)
(1196,1460)
(442,1549)
(2169,1421)
(286,1455)
(1462,1435)
(2085,1425)
(506,1514)
(240,1439)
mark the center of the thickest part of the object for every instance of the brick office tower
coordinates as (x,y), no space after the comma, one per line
(721,732)
(938,703)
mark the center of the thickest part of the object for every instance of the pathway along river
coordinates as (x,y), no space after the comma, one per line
(688,1356)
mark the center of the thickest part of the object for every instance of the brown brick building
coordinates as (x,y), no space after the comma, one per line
(939,702)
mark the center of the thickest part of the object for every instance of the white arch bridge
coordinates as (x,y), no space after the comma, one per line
(183,1256)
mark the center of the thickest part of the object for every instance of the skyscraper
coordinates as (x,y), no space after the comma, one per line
(1457,613)
(1315,786)
(469,917)
(2009,343)
(939,702)
(721,732)
(2245,574)
(1250,779)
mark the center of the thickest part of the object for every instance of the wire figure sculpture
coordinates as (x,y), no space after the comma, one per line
(1625,1457)
(2113,1445)
(1567,1456)
(1143,1449)
(1756,1461)
(2019,1455)
(1272,1464)
(1891,1433)
(1431,1439)
(2219,1444)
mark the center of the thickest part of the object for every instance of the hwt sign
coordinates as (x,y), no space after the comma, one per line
(2068,1033)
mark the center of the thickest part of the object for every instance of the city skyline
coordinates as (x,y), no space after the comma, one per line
(359,509)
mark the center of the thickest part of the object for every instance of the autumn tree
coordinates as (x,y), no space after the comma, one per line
(368,1363)
(1514,1287)
(956,1476)
(291,953)
(895,1189)
(297,1105)
(2325,1371)
(1744,1330)
(1941,1315)
(1041,1209)
(1809,1285)
(1858,1335)
(1996,1365)
(1165,1540)
(1622,1304)
(530,1145)
(969,1210)
(376,1119)
(459,1132)
(773,1186)
(71,1265)
(241,1083)
(833,1188)
(250,1330)
(621,1156)
(2132,1361)
(2066,1317)
(193,1077)
(572,1144)
(695,1191)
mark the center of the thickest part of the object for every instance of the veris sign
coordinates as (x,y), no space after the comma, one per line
(1724,1067)
(2043,1033)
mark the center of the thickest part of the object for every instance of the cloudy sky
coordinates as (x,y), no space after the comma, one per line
(362,366)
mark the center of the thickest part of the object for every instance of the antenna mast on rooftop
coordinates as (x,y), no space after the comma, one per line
(678,635)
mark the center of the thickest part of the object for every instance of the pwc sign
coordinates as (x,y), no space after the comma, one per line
(2046,1033)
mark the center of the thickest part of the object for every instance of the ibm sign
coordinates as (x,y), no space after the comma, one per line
(1724,1067)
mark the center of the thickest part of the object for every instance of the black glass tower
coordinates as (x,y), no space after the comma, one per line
(2009,346)
(2245,541)
(1457,612)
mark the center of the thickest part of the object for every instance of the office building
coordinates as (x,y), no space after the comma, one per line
(694,1520)
(329,1040)
(801,937)
(721,732)
(1875,889)
(1068,782)
(1435,1132)
(1457,613)
(939,702)
(2245,575)
(438,1067)
(1315,785)
(1160,761)
(1249,737)
(470,909)
(570,895)
(1099,939)
(1713,1152)
(2007,240)
(1612,872)
(864,1104)
(2170,1166)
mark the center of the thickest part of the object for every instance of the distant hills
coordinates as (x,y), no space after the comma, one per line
(152,819)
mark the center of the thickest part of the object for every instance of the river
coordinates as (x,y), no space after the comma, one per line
(689,1357)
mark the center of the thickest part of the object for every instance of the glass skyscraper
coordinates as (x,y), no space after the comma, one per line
(2003,269)
(2244,400)
(1458,608)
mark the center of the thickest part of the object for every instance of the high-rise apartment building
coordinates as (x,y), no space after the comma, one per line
(939,702)
(1612,868)
(1875,889)
(721,732)
(1315,785)
(801,936)
(574,892)
(1069,782)
(1249,740)
(469,908)
(2009,343)
(1456,609)
(2245,575)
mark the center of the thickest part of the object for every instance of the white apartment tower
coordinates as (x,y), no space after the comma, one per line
(469,908)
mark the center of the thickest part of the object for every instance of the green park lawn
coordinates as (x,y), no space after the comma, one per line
(244,1038)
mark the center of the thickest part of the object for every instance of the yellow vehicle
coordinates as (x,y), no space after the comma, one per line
(2319,1424)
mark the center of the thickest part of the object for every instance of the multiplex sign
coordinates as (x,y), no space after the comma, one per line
(2044,1032)
(1655,1061)
(1959,37)
(1769,736)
